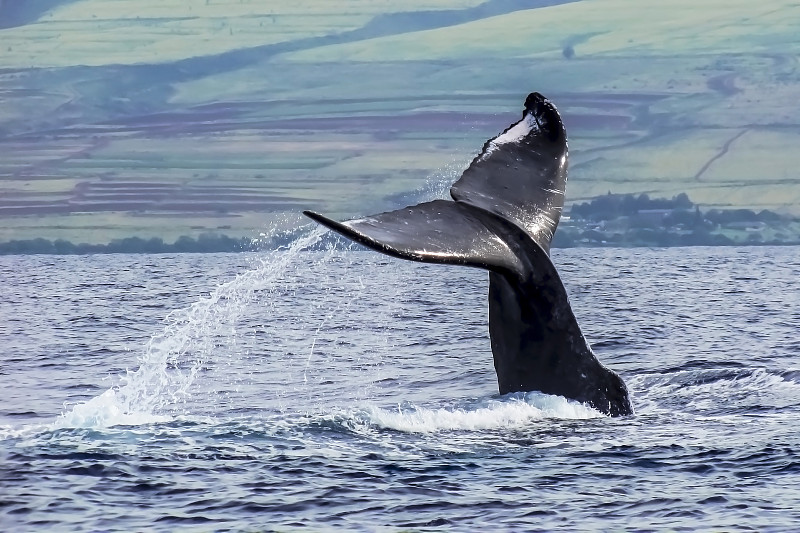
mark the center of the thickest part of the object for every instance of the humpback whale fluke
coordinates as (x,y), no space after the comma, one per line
(505,210)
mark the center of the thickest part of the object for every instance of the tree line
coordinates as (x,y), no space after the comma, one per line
(205,243)
(613,206)
(683,224)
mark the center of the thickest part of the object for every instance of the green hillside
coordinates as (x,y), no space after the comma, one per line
(161,119)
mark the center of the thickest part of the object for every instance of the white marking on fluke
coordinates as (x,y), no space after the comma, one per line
(514,134)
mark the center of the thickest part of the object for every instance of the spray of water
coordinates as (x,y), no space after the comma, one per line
(193,338)
(172,359)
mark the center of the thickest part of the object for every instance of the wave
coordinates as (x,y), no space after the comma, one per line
(710,380)
(515,411)
(511,412)
(718,389)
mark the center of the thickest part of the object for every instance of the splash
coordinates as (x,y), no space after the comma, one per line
(173,359)
(194,339)
(516,411)
(437,184)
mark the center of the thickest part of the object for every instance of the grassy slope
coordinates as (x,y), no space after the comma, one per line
(724,72)
(658,98)
(103,32)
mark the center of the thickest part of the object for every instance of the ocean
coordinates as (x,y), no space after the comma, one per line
(345,390)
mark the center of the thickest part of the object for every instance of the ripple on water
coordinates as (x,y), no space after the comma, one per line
(367,399)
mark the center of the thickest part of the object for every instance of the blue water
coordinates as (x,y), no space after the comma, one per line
(346,390)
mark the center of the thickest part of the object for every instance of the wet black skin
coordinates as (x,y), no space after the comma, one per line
(505,211)
(537,344)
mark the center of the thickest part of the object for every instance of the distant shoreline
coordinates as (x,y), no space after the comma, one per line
(607,221)
(225,244)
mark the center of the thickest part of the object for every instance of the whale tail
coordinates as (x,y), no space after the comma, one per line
(519,178)
(505,210)
(433,232)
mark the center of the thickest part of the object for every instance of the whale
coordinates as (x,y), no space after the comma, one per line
(502,216)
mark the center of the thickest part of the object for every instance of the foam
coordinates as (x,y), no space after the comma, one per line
(104,411)
(512,412)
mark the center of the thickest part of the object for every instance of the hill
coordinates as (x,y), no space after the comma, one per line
(171,118)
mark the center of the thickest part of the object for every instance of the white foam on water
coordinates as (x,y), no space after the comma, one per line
(172,359)
(514,412)
(106,410)
(13,432)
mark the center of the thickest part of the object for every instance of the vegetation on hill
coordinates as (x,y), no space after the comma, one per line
(609,220)
(638,220)
(205,243)
(183,117)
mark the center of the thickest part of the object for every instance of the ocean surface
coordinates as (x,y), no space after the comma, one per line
(344,390)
